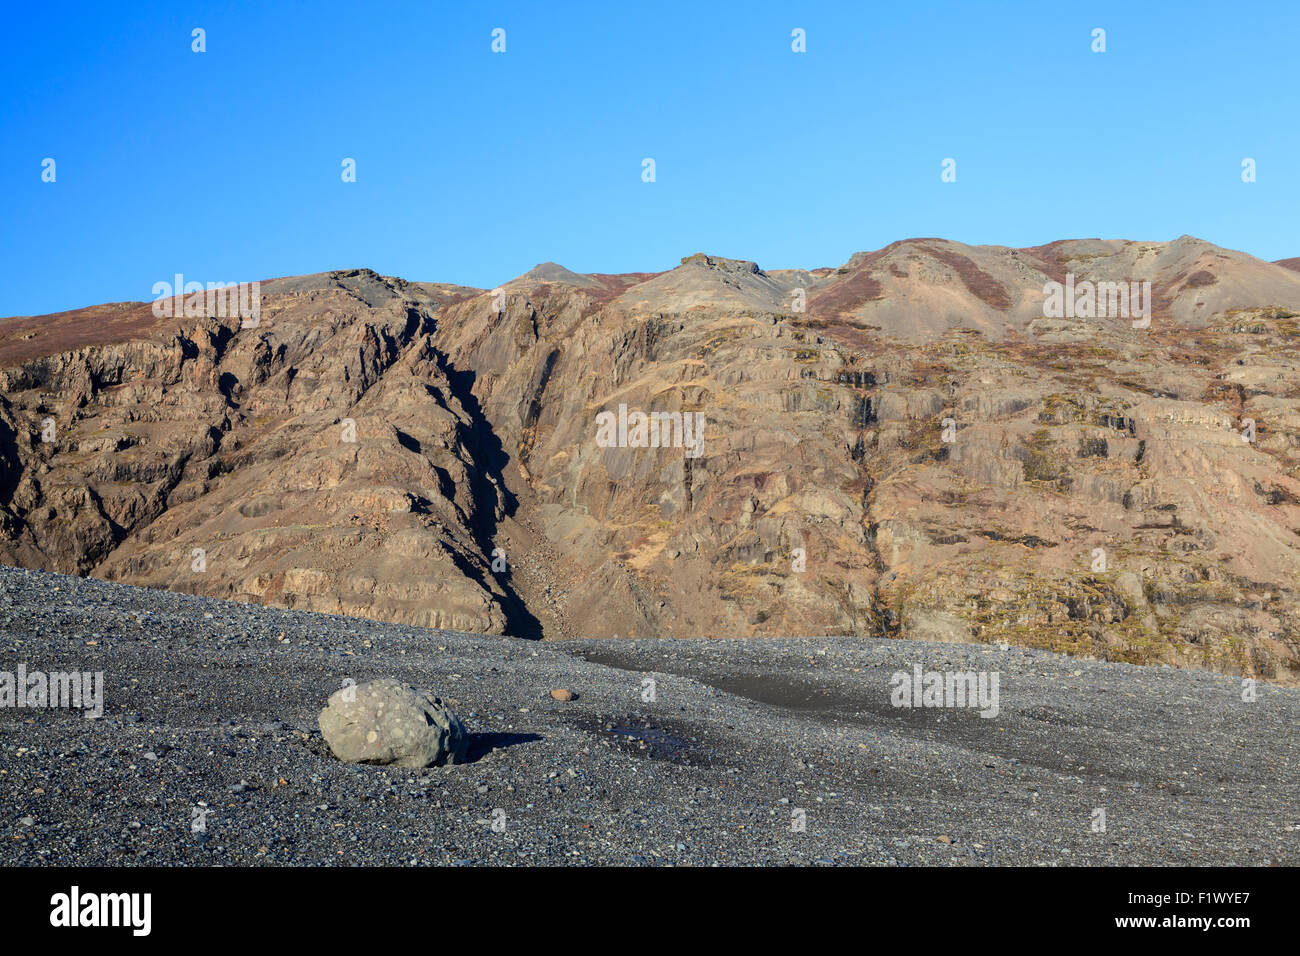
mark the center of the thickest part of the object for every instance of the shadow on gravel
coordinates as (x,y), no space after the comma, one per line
(660,739)
(1018,735)
(480,745)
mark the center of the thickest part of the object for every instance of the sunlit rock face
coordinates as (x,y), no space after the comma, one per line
(934,440)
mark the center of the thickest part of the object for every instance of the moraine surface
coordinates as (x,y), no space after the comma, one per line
(213,705)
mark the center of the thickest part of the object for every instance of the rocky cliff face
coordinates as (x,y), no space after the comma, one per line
(903,446)
(322,460)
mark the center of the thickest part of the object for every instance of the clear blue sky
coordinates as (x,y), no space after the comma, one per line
(473,166)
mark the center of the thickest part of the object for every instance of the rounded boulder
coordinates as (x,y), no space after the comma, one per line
(386,722)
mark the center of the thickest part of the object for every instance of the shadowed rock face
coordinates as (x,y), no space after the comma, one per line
(918,452)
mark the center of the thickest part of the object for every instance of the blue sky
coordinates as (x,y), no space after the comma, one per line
(474,166)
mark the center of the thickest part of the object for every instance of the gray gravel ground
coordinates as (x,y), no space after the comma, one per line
(213,705)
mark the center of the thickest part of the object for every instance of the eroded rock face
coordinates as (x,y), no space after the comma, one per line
(903,446)
(322,461)
(386,722)
(1094,493)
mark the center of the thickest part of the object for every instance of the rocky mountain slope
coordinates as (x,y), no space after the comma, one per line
(904,446)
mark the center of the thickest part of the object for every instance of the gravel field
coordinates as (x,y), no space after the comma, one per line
(210,712)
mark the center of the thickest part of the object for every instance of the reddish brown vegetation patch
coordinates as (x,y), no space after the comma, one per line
(858,289)
(615,285)
(1048,259)
(609,286)
(1292,264)
(1230,394)
(862,339)
(32,336)
(980,284)
(1162,298)
(927,372)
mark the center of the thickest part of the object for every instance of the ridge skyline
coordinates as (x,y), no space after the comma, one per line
(1292,263)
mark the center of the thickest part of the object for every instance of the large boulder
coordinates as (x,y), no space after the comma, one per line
(387,722)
